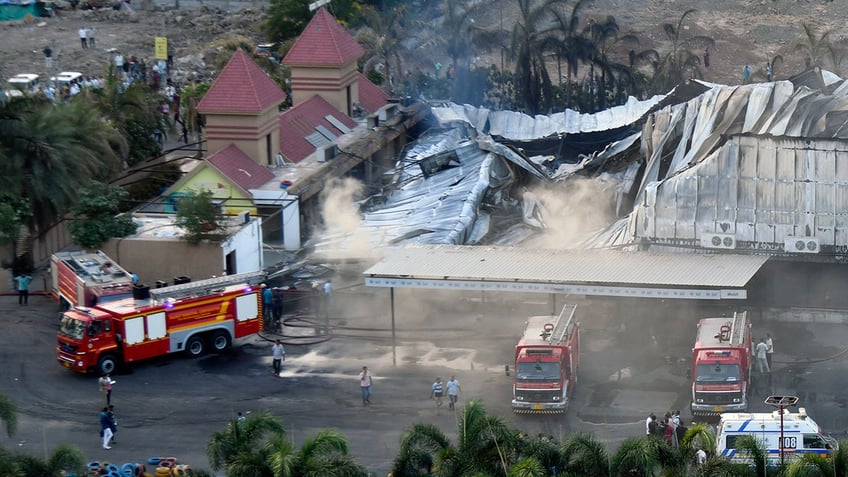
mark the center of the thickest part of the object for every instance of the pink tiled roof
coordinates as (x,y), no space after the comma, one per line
(242,86)
(240,168)
(301,120)
(323,43)
(371,96)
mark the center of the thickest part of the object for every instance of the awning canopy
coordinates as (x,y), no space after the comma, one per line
(718,276)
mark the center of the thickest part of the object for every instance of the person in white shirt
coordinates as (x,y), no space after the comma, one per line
(278,352)
(701,456)
(83,37)
(365,385)
(453,391)
(762,359)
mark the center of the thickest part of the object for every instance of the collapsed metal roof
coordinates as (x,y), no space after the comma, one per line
(758,168)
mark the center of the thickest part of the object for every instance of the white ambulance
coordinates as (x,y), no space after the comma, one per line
(801,435)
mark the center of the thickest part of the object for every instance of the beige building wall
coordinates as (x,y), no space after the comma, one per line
(335,85)
(154,259)
(258,136)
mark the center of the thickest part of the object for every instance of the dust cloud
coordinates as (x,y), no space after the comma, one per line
(575,212)
(340,235)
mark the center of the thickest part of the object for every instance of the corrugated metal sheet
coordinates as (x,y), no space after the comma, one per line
(568,266)
(519,126)
(762,162)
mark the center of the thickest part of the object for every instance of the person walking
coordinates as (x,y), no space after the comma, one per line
(762,356)
(267,303)
(48,57)
(22,282)
(105,428)
(768,71)
(770,344)
(365,380)
(83,38)
(707,57)
(106,383)
(90,33)
(453,391)
(438,391)
(746,74)
(651,425)
(279,354)
(113,425)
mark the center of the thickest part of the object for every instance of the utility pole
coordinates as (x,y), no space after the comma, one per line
(781,403)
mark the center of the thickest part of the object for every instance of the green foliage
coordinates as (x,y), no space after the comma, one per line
(49,152)
(257,446)
(374,76)
(96,215)
(9,415)
(67,458)
(160,177)
(14,213)
(199,217)
(142,145)
(286,19)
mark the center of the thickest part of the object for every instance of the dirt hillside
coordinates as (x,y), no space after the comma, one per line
(746,32)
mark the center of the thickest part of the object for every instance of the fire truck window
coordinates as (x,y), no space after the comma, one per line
(107,325)
(94,328)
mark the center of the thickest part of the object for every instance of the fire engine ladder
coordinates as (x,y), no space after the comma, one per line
(564,325)
(737,331)
(205,287)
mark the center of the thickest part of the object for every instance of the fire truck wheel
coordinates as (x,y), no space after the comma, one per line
(195,346)
(220,341)
(107,364)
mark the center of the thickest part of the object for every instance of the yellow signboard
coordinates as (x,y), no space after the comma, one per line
(161,48)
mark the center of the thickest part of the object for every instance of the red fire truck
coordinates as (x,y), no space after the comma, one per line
(86,279)
(546,363)
(190,317)
(721,365)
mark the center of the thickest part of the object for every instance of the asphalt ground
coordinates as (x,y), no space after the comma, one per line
(633,361)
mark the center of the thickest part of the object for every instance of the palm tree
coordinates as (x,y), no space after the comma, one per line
(8,415)
(485,446)
(65,458)
(586,455)
(49,152)
(574,47)
(256,446)
(325,454)
(680,62)
(241,449)
(641,457)
(529,35)
(383,38)
(131,110)
(816,465)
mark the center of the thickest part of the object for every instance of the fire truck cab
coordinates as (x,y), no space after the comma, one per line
(191,318)
(546,363)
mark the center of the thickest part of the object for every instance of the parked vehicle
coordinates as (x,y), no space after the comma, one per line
(190,317)
(66,77)
(22,84)
(546,363)
(721,365)
(801,435)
